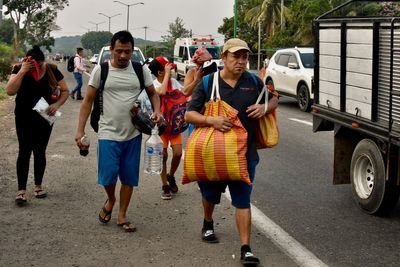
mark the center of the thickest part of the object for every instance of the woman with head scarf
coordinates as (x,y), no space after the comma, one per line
(194,75)
(30,81)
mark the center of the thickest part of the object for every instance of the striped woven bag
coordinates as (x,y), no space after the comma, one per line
(212,155)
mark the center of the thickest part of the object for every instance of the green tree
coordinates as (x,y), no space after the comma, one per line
(245,30)
(6,53)
(268,12)
(176,30)
(94,41)
(25,15)
(6,31)
(42,25)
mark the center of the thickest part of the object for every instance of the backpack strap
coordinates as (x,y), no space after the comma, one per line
(255,79)
(103,78)
(206,81)
(139,73)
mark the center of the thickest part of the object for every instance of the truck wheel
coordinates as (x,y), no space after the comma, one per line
(303,98)
(370,189)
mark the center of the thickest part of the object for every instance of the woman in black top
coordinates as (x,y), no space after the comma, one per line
(31,80)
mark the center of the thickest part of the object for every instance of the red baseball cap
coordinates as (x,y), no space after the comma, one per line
(164,61)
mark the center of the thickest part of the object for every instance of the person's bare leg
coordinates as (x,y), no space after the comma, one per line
(243,223)
(125,198)
(208,209)
(163,174)
(110,191)
(176,159)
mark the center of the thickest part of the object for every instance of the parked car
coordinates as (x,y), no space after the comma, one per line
(105,55)
(94,58)
(291,72)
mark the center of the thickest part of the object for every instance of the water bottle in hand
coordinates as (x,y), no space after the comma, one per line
(84,149)
(153,153)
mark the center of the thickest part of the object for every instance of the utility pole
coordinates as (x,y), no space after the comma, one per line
(128,6)
(145,40)
(259,43)
(109,19)
(282,14)
(235,19)
(97,24)
(1,11)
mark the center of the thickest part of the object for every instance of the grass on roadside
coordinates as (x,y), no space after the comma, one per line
(3,94)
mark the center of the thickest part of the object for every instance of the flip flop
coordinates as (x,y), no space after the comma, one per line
(107,213)
(20,199)
(127,226)
(40,193)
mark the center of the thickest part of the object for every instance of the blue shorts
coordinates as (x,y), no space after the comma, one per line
(240,191)
(119,158)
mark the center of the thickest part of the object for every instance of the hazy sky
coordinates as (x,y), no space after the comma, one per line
(202,16)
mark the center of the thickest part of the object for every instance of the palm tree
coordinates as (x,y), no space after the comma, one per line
(268,12)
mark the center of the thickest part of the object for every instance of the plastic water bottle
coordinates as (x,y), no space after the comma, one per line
(153,153)
(84,150)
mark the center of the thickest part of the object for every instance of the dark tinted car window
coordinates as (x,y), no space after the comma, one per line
(283,60)
(307,59)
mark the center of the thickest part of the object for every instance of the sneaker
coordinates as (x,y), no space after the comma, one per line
(79,97)
(166,192)
(248,259)
(172,183)
(208,235)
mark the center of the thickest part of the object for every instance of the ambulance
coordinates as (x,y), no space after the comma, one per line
(184,50)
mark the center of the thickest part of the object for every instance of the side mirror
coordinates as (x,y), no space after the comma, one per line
(293,66)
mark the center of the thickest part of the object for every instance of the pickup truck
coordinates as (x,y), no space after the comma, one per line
(357,95)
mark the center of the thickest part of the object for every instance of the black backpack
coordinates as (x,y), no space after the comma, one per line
(98,101)
(71,64)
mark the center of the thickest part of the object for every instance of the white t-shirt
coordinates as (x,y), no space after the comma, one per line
(175,84)
(121,90)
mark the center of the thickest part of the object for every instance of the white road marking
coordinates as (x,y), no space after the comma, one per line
(301,121)
(290,246)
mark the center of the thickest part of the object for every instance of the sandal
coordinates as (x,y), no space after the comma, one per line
(39,193)
(107,214)
(20,199)
(127,226)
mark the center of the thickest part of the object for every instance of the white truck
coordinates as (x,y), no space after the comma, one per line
(185,47)
(357,95)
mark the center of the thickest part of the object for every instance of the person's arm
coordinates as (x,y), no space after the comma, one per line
(86,108)
(193,76)
(162,90)
(220,123)
(64,93)
(256,111)
(155,103)
(14,83)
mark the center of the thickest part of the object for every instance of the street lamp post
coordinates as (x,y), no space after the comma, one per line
(1,11)
(235,19)
(128,6)
(109,19)
(282,13)
(97,24)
